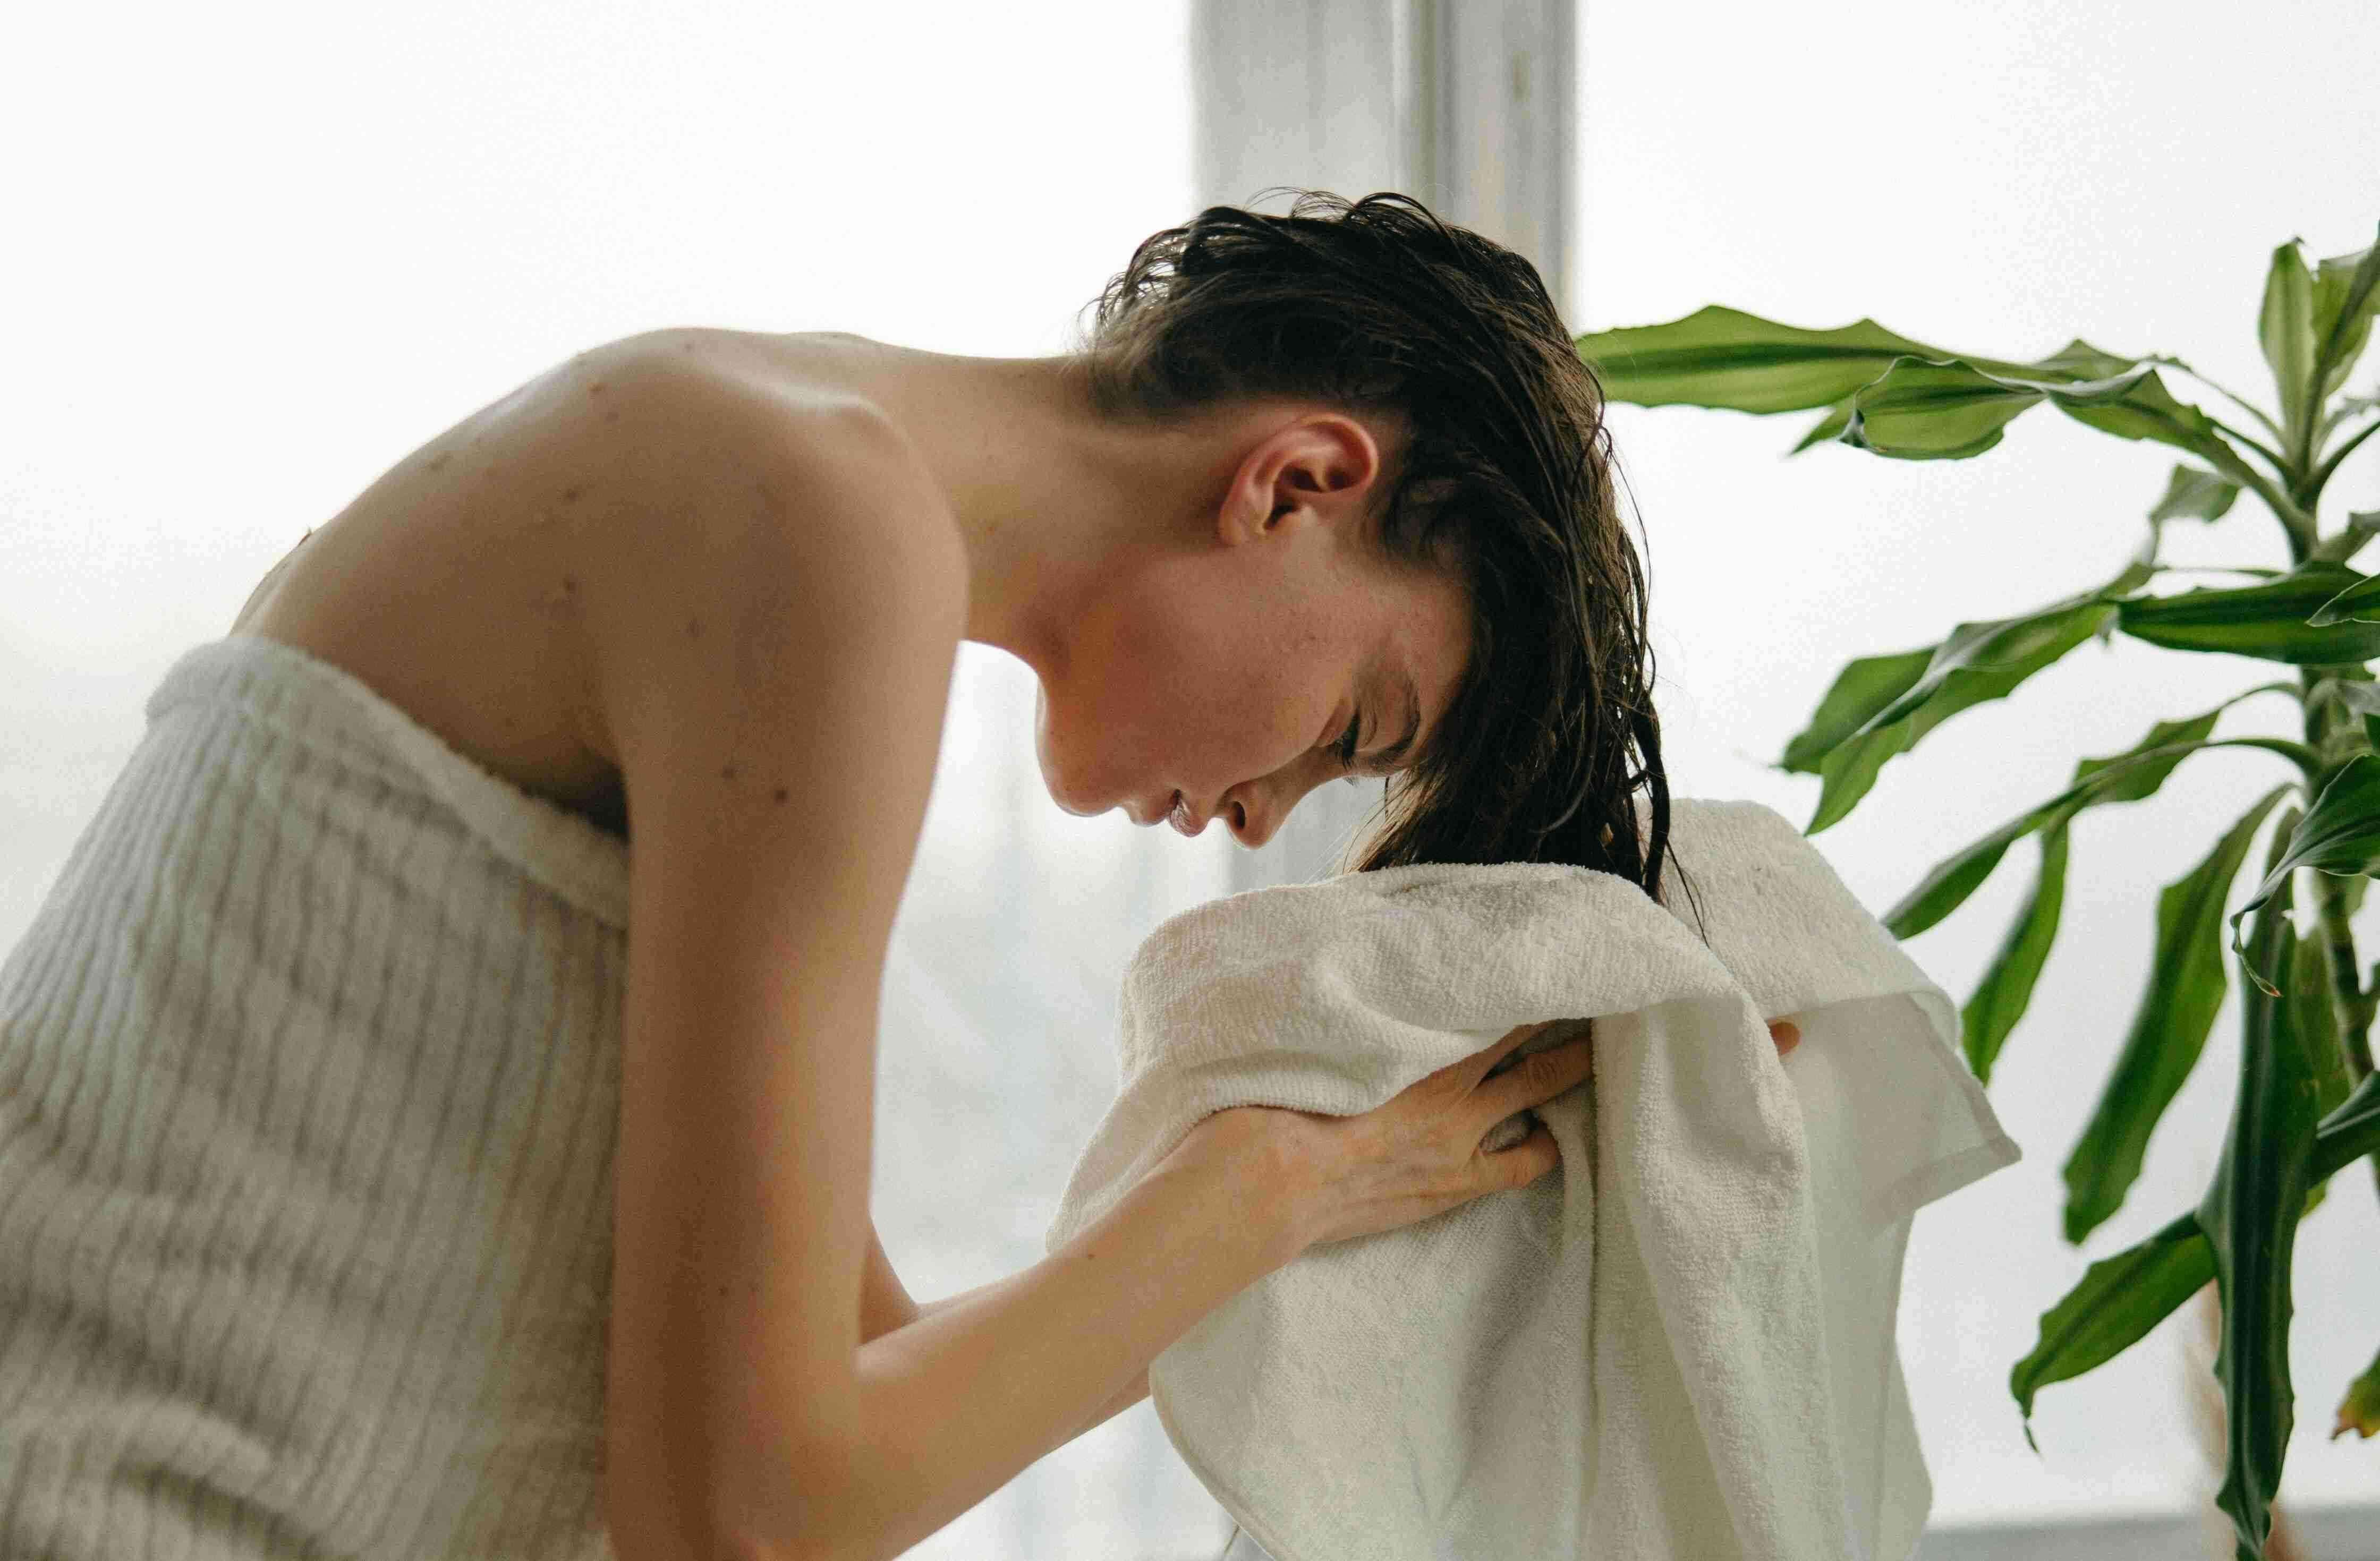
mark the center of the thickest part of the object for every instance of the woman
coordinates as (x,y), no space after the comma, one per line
(1325,496)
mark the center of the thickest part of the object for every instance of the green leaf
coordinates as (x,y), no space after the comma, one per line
(1920,410)
(2199,495)
(2169,1030)
(1979,661)
(2149,411)
(2135,773)
(2249,1216)
(2351,1129)
(2360,1410)
(2346,294)
(1861,691)
(2078,359)
(1831,426)
(2006,990)
(2315,1021)
(2340,834)
(2342,412)
(1719,356)
(2117,1301)
(2285,330)
(2359,602)
(2140,777)
(2267,621)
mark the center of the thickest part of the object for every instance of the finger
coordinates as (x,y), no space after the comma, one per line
(1533,1081)
(1786,1033)
(1479,1064)
(1520,1165)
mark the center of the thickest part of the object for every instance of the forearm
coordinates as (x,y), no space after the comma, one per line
(898,1311)
(959,1401)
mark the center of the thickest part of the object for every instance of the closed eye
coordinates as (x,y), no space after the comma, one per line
(1346,746)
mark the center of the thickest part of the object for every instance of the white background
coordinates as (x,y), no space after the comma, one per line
(254,256)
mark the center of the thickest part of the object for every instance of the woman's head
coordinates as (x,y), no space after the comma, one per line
(1494,479)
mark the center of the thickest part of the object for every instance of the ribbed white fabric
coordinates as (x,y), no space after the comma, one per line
(309,1082)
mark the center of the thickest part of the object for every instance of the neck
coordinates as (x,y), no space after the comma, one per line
(1050,499)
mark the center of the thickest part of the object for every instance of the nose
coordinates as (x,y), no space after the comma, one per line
(1254,814)
(1251,828)
(1256,809)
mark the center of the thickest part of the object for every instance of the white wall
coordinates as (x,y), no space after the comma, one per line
(1996,178)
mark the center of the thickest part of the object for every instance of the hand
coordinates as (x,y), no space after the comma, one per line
(1418,1154)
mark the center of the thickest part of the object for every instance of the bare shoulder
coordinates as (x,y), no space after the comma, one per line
(511,580)
(749,498)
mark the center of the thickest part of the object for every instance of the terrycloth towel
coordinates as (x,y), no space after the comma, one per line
(309,1077)
(1680,1345)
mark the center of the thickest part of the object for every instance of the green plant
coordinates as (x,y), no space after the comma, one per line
(2307,1102)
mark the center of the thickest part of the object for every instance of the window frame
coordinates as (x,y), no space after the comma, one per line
(1469,107)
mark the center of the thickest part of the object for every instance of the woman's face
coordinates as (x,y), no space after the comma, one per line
(1219,682)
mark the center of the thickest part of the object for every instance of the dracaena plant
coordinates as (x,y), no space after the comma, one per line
(2307,1103)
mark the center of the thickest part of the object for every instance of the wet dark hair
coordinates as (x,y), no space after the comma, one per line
(1382,307)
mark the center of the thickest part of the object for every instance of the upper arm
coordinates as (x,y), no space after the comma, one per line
(773,663)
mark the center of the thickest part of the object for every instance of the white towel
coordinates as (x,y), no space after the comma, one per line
(1679,1344)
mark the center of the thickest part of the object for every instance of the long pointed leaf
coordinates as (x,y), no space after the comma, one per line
(1719,356)
(2285,330)
(1922,410)
(1724,357)
(2200,495)
(2343,411)
(2359,602)
(2168,1031)
(2345,295)
(1979,661)
(2135,773)
(2249,1216)
(2315,1018)
(1861,691)
(2006,990)
(2117,1301)
(2340,834)
(1875,692)
(2078,359)
(2267,621)
(2139,777)
(2149,411)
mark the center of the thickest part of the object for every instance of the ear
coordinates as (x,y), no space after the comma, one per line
(1323,469)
